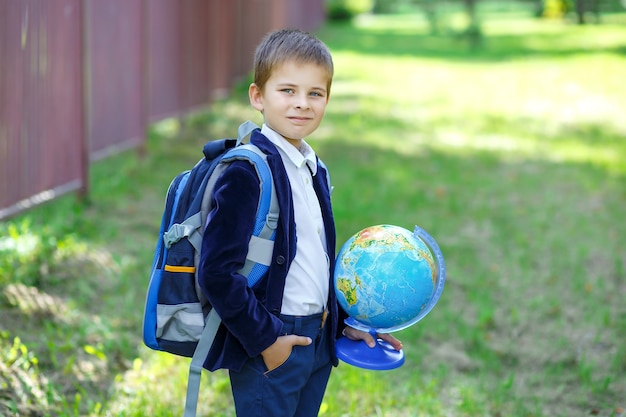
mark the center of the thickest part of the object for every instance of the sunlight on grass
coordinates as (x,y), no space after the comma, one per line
(472,136)
(167,127)
(523,104)
(511,154)
(155,386)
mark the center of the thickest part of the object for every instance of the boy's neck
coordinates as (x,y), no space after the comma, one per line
(297,143)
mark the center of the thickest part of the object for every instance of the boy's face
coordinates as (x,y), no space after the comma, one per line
(293,100)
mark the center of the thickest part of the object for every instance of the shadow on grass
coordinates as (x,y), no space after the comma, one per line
(534,247)
(534,275)
(534,254)
(348,114)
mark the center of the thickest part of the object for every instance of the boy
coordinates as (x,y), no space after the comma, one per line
(278,338)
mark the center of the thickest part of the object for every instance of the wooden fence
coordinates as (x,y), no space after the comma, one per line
(81,79)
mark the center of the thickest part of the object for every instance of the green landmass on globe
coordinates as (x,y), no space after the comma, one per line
(384,276)
(348,291)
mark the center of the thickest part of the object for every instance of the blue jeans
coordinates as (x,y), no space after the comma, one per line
(294,389)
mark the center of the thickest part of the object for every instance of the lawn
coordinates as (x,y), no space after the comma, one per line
(510,154)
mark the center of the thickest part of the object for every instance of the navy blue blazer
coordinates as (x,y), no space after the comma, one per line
(250,321)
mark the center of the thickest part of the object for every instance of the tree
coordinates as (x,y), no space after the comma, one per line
(473,32)
(558,8)
(584,6)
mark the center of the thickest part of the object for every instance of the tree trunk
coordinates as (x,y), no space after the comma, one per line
(470,6)
(473,32)
(538,8)
(430,10)
(580,11)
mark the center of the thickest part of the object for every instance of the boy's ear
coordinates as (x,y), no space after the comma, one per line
(256,97)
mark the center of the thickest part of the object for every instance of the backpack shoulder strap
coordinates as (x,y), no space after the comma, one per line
(260,250)
(261,244)
(211,326)
(245,129)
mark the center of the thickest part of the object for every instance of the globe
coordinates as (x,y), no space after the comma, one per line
(387,278)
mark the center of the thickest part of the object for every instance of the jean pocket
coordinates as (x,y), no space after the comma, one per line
(285,366)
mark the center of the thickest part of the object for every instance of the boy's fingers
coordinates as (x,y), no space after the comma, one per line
(368,339)
(354,334)
(300,340)
(395,343)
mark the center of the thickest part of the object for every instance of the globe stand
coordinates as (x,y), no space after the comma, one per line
(382,357)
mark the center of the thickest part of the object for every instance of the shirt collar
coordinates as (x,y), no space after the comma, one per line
(305,155)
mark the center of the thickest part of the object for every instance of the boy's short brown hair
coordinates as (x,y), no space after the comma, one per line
(290,44)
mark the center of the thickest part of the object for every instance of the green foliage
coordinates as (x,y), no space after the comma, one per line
(396,6)
(556,8)
(24,256)
(22,388)
(510,155)
(347,9)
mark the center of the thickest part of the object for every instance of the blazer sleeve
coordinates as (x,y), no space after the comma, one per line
(224,248)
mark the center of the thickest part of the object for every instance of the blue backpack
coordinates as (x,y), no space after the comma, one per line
(177,316)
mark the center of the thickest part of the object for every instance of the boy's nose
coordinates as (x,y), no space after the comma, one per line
(302,102)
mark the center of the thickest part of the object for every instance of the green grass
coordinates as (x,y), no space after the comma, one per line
(511,155)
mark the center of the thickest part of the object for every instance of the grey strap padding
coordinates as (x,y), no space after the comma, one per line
(245,129)
(260,251)
(197,361)
(189,228)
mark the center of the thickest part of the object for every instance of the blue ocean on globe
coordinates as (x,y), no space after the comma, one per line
(384,277)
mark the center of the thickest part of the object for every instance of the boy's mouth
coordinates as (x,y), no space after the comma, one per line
(299,119)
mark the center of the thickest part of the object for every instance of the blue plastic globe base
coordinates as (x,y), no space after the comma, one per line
(382,357)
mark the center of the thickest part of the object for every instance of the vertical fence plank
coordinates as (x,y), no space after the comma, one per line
(114,74)
(164,58)
(42,102)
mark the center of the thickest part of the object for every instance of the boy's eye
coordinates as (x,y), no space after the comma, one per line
(316,94)
(288,90)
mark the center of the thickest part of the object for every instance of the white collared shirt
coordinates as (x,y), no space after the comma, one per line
(307,283)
